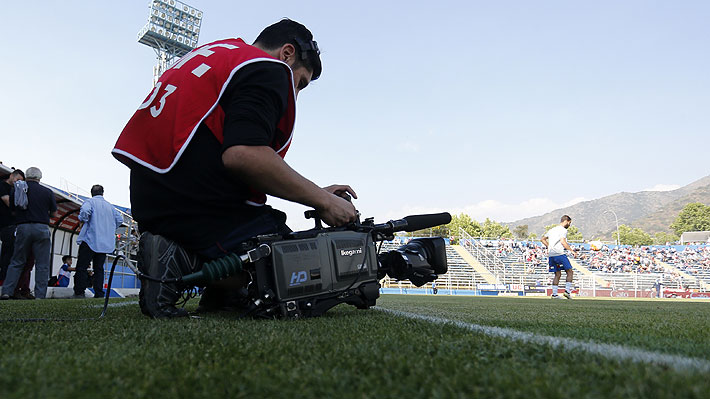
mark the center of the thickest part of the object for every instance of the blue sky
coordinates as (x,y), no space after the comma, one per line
(502,109)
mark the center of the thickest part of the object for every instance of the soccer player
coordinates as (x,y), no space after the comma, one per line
(556,241)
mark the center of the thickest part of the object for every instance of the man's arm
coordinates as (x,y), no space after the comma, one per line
(262,168)
(85,212)
(117,217)
(6,200)
(545,242)
(53,210)
(567,247)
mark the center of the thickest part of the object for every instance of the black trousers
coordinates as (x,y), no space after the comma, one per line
(7,236)
(273,221)
(81,277)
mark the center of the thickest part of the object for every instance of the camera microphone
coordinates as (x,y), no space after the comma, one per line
(414,223)
(420,222)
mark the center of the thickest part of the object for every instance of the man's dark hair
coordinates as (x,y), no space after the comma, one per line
(65,257)
(288,31)
(97,189)
(18,172)
(565,218)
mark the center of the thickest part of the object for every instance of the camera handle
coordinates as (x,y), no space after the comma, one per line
(313,214)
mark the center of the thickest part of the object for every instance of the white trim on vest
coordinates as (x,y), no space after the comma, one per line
(194,130)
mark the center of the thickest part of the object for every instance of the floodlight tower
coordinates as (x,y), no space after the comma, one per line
(172,31)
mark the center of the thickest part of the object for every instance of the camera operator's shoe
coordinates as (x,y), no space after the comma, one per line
(162,258)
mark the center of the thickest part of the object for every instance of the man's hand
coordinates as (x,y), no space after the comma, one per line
(263,169)
(574,253)
(337,211)
(341,190)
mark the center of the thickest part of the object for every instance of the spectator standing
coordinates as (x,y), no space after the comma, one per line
(22,289)
(96,239)
(7,221)
(32,234)
(657,286)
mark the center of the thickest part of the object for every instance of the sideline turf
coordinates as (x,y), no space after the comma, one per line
(350,353)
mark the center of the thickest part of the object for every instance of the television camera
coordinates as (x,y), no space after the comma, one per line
(305,273)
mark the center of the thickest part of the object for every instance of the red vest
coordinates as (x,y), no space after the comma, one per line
(185,96)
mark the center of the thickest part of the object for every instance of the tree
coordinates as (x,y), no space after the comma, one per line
(532,236)
(463,222)
(573,233)
(630,236)
(694,217)
(441,231)
(521,232)
(493,229)
(661,238)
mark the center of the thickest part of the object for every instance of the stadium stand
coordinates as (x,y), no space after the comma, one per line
(620,268)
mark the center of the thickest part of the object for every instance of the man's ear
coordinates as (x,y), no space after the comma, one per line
(287,53)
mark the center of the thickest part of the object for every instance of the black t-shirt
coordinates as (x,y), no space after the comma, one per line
(40,202)
(6,217)
(198,201)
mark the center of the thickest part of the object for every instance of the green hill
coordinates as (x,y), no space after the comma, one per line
(652,211)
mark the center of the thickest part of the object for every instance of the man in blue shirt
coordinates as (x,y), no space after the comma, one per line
(96,239)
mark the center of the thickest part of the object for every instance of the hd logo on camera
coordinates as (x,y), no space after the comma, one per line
(297,278)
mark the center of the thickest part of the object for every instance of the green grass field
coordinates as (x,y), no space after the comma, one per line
(352,353)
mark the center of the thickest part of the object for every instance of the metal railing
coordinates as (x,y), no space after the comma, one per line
(488,259)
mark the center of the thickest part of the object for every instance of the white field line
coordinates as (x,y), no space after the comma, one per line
(610,351)
(116,304)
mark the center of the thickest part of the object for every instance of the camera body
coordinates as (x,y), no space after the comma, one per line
(303,274)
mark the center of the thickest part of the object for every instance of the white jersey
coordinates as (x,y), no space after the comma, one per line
(555,236)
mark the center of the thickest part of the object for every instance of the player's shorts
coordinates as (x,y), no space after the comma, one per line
(559,263)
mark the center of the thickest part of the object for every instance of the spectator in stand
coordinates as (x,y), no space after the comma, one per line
(64,275)
(32,233)
(7,221)
(96,239)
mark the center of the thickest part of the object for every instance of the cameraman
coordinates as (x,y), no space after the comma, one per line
(206,147)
